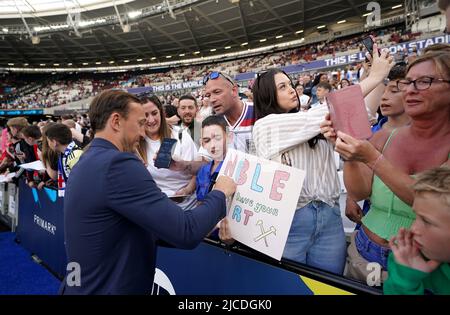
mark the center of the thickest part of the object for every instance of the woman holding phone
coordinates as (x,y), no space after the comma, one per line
(178,185)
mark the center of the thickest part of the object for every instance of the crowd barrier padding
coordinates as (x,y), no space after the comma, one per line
(209,269)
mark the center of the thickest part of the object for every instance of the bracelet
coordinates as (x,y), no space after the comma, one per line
(374,165)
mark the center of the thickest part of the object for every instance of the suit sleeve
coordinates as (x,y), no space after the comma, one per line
(132,192)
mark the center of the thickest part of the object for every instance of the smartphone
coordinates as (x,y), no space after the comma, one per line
(368,43)
(164,156)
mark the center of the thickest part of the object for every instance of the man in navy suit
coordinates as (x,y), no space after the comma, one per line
(115,215)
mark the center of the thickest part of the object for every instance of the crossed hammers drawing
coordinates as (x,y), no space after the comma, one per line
(264,233)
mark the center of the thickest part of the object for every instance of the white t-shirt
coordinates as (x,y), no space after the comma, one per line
(167,180)
(304,99)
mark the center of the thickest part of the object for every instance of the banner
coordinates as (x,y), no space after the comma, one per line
(351,58)
(266,198)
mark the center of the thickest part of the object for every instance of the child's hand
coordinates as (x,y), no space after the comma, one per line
(408,254)
(224,232)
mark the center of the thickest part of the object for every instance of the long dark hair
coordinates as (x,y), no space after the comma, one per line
(265,98)
(265,94)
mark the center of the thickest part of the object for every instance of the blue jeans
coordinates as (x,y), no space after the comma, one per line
(317,237)
(371,251)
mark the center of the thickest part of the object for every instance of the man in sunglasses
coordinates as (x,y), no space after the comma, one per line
(223,94)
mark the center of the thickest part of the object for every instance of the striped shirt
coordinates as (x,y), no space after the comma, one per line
(242,130)
(284,137)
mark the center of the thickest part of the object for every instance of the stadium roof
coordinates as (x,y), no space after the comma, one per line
(95,32)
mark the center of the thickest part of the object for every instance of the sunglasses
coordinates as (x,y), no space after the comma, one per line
(215,75)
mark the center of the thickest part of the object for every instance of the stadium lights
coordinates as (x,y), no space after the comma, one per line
(321,26)
(182,55)
(262,40)
(126,61)
(227,47)
(196,52)
(134,14)
(56,64)
(10,64)
(340,22)
(367,14)
(168,57)
(396,6)
(98,63)
(111,62)
(85,63)
(4,30)
(25,64)
(153,58)
(42,64)
(69,64)
(139,60)
(298,32)
(35,40)
(244,44)
(213,50)
(279,36)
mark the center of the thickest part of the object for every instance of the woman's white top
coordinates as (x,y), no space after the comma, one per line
(288,134)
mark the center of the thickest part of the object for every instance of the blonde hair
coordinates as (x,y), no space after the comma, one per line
(436,181)
(441,60)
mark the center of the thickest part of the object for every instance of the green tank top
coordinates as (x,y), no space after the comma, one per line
(387,213)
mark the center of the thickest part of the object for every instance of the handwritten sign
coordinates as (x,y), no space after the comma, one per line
(263,206)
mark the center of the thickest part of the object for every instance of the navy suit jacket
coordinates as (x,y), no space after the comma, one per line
(114,215)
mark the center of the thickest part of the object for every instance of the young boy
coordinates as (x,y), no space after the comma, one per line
(60,140)
(419,262)
(214,139)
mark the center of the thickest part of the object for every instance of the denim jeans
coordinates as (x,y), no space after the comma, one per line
(317,237)
(370,251)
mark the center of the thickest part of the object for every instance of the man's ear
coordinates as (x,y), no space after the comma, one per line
(235,91)
(115,121)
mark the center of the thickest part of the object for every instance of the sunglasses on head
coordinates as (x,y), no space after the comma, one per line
(215,75)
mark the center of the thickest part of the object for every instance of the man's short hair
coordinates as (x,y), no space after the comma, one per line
(67,117)
(17,122)
(436,180)
(107,103)
(325,85)
(32,131)
(443,4)
(188,97)
(215,121)
(60,133)
(69,123)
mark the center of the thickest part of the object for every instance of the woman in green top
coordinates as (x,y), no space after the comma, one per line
(420,258)
(383,167)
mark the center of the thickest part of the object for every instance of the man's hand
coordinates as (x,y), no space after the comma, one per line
(224,232)
(407,253)
(226,185)
(41,185)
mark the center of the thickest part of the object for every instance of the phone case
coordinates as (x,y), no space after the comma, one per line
(164,157)
(348,112)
